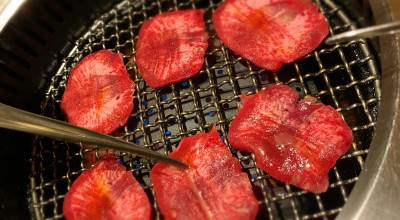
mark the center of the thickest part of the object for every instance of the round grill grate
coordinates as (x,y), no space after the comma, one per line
(344,76)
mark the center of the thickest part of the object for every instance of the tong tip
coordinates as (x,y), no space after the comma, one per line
(372,31)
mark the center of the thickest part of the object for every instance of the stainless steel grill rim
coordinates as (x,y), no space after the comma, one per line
(344,76)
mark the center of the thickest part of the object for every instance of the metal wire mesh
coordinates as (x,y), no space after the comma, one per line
(344,76)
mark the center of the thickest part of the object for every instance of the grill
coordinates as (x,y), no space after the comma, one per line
(344,76)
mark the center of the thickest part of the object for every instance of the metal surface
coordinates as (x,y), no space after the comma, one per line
(16,119)
(344,76)
(7,10)
(377,193)
(373,31)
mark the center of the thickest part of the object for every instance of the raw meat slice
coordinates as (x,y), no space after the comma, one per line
(171,47)
(106,191)
(270,33)
(98,95)
(214,186)
(296,143)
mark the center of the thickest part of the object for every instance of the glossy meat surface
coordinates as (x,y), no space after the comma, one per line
(106,191)
(99,93)
(214,187)
(294,142)
(171,47)
(270,33)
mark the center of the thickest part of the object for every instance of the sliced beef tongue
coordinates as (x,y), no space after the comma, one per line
(106,191)
(214,186)
(99,93)
(294,142)
(270,33)
(171,47)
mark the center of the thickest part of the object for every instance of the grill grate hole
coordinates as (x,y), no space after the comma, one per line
(6,70)
(67,6)
(27,48)
(33,35)
(12,56)
(53,13)
(344,76)
(37,17)
(9,89)
(46,26)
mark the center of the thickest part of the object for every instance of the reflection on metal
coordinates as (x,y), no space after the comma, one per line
(19,120)
(7,10)
(373,31)
(376,195)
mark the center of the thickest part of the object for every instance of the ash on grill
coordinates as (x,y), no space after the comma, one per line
(344,76)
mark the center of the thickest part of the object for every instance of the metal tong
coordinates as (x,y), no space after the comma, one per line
(377,30)
(19,120)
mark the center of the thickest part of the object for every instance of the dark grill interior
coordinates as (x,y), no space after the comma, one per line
(343,76)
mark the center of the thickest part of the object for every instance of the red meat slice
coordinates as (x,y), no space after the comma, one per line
(106,191)
(296,143)
(214,186)
(270,33)
(171,47)
(98,95)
